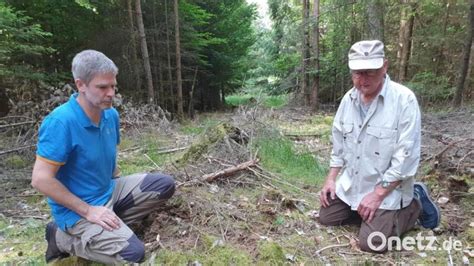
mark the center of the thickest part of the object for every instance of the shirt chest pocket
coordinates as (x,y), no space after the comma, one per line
(380,142)
(348,140)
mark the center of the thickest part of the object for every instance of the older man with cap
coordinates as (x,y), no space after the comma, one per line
(375,155)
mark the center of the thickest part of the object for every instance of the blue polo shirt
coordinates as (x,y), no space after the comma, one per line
(85,152)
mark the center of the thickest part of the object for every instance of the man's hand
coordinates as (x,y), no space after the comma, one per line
(103,216)
(328,188)
(369,205)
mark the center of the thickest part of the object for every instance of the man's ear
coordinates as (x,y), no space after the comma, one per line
(385,65)
(80,85)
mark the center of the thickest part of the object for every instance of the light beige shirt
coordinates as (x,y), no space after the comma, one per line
(385,146)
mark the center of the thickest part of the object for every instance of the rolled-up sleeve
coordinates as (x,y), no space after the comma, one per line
(406,157)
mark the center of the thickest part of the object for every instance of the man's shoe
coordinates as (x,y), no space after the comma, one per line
(430,216)
(52,253)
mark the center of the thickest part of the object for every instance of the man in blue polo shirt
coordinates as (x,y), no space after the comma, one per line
(76,169)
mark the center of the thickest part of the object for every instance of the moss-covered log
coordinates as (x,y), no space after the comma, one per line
(211,136)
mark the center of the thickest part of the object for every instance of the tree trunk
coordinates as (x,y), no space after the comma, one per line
(466,58)
(315,57)
(407,17)
(375,20)
(145,56)
(305,54)
(168,55)
(156,55)
(440,57)
(133,41)
(191,96)
(179,82)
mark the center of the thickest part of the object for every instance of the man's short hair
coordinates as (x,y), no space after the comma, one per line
(89,63)
(366,55)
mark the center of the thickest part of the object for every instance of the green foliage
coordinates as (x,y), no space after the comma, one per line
(431,88)
(278,155)
(269,101)
(20,45)
(232,22)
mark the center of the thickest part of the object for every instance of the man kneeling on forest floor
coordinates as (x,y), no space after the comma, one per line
(376,150)
(76,168)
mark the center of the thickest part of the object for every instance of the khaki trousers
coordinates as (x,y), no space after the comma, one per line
(133,198)
(387,222)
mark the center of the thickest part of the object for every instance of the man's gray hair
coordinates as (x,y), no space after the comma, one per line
(89,63)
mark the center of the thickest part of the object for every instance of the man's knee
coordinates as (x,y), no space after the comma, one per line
(325,217)
(375,242)
(135,251)
(160,183)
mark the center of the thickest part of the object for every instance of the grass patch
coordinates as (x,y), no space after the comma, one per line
(238,99)
(276,101)
(143,154)
(190,128)
(269,101)
(22,242)
(213,255)
(270,253)
(278,155)
(16,162)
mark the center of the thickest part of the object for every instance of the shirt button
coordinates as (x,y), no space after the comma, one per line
(358,157)
(360,126)
(359,141)
(357,172)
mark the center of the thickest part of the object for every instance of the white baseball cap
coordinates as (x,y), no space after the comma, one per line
(366,55)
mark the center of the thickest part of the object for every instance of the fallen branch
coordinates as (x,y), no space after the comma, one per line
(296,135)
(229,171)
(462,159)
(332,246)
(29,216)
(438,155)
(171,150)
(16,149)
(17,124)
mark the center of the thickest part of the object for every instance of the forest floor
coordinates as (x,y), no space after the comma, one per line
(264,214)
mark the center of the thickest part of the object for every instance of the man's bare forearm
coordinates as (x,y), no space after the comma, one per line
(52,188)
(383,192)
(333,172)
(44,180)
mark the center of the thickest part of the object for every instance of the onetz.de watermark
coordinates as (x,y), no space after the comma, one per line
(377,241)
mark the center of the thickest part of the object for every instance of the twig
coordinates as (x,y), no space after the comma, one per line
(436,156)
(17,149)
(332,246)
(450,258)
(279,181)
(21,196)
(14,116)
(218,214)
(229,171)
(17,124)
(148,157)
(463,158)
(130,149)
(171,150)
(295,135)
(29,216)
